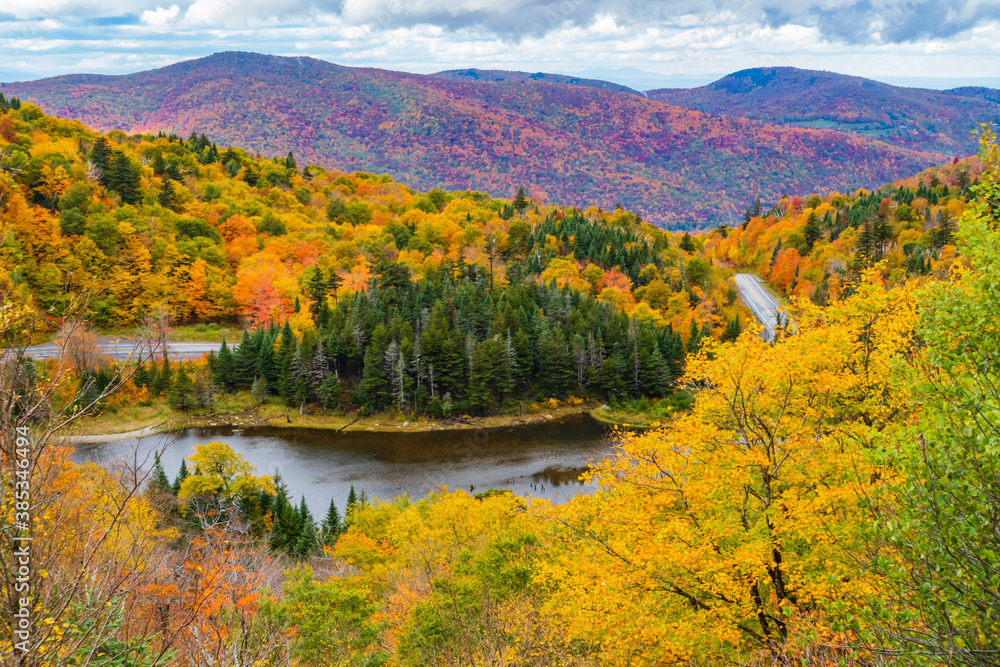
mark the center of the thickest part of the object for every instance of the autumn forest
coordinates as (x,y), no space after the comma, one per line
(826,497)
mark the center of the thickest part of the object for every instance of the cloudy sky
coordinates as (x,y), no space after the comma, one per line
(644,44)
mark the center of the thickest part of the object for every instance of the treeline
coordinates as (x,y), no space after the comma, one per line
(444,344)
(160,224)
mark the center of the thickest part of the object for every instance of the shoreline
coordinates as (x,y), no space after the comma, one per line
(382,422)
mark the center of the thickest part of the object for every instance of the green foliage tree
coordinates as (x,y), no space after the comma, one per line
(937,546)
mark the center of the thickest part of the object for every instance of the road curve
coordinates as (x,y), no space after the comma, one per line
(120,349)
(760,301)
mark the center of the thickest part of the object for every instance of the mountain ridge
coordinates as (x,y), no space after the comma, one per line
(565,143)
(939,120)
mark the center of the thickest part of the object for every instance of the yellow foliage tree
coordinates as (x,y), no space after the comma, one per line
(730,531)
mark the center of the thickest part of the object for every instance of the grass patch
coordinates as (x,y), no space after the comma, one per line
(202,333)
(124,419)
(644,412)
(187,333)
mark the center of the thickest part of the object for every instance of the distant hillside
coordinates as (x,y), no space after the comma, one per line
(507,75)
(566,144)
(930,120)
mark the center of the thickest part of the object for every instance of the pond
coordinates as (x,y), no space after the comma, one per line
(541,460)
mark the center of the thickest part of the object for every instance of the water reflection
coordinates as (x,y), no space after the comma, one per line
(539,460)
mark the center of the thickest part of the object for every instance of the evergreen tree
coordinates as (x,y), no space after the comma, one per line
(267,368)
(224,367)
(687,243)
(307,543)
(329,390)
(164,379)
(244,363)
(182,474)
(520,201)
(285,527)
(124,177)
(733,329)
(694,337)
(100,157)
(352,501)
(286,354)
(331,524)
(158,481)
(812,231)
(374,386)
(181,395)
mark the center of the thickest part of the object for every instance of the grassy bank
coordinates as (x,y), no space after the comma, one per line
(239,410)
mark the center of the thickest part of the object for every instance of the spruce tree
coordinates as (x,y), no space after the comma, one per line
(267,368)
(158,481)
(352,502)
(224,367)
(182,474)
(694,337)
(307,543)
(286,379)
(284,520)
(331,524)
(165,378)
(812,231)
(520,201)
(244,363)
(181,394)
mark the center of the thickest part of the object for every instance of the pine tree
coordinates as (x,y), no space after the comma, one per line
(164,379)
(182,474)
(395,372)
(812,231)
(694,337)
(686,244)
(331,524)
(329,391)
(181,394)
(352,502)
(373,379)
(141,376)
(258,390)
(318,369)
(285,527)
(733,329)
(267,368)
(224,367)
(158,482)
(100,157)
(297,377)
(945,232)
(307,543)
(520,201)
(286,379)
(244,363)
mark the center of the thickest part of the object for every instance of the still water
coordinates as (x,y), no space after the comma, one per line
(541,460)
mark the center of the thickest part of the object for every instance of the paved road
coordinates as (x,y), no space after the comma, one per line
(760,301)
(123,348)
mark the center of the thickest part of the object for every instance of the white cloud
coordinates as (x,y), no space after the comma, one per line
(160,17)
(386,33)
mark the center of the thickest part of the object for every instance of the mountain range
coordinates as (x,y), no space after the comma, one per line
(565,139)
(919,118)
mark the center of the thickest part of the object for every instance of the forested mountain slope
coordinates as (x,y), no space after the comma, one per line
(567,144)
(922,119)
(400,297)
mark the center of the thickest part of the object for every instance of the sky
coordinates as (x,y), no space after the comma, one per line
(936,43)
